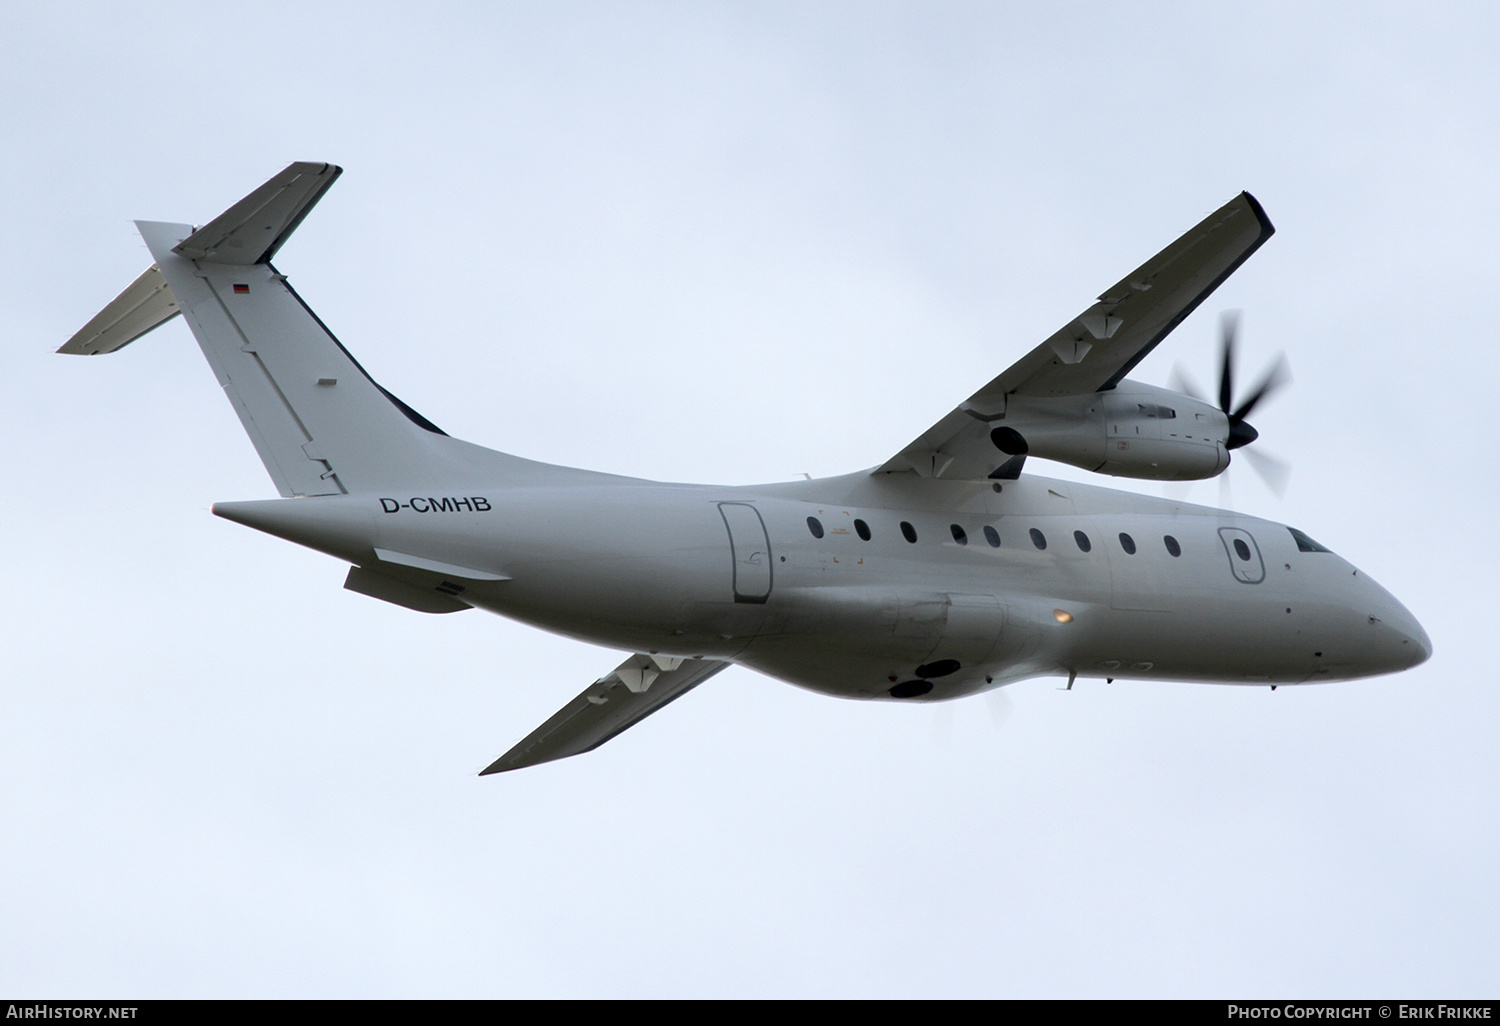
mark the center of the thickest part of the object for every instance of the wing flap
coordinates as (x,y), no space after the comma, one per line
(1094,351)
(637,688)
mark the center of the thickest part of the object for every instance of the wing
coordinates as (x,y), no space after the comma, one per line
(637,688)
(1096,349)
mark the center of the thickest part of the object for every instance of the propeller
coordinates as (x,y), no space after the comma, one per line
(1240,432)
(997,703)
(1272,471)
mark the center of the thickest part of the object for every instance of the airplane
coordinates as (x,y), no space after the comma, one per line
(943,572)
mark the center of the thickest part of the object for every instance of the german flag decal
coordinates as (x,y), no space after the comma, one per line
(241,290)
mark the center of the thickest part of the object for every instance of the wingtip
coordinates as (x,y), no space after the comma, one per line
(1267,228)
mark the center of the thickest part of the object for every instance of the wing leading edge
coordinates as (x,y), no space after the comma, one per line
(1095,350)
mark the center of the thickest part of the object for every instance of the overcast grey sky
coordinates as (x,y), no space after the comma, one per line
(734,243)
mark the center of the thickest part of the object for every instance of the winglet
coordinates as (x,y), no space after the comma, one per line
(251,231)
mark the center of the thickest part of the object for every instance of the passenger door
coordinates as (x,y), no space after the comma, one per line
(750,551)
(1244,555)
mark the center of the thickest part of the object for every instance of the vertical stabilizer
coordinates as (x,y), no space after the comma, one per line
(321,425)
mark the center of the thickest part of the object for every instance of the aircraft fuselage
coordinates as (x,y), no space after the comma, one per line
(1030,578)
(943,572)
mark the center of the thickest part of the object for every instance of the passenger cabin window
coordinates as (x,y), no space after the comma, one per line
(815,526)
(1172,546)
(958,534)
(1241,549)
(1083,541)
(992,536)
(1306,544)
(862,529)
(1127,543)
(908,532)
(1038,539)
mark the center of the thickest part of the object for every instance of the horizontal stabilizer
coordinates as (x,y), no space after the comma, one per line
(637,688)
(147,303)
(251,231)
(402,593)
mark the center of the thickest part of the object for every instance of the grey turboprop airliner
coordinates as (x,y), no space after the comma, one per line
(948,570)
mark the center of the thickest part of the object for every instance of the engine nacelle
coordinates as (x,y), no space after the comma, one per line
(1133,430)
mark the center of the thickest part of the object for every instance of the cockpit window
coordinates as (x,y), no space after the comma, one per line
(1306,544)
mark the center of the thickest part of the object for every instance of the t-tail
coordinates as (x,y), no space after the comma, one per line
(320,423)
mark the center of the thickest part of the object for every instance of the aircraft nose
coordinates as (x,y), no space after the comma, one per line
(1407,643)
(1422,643)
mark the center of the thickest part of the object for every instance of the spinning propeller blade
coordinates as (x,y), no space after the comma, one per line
(1274,472)
(1241,433)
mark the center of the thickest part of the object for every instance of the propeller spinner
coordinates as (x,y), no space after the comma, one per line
(1241,432)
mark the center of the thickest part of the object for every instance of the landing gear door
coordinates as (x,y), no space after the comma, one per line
(1244,555)
(750,551)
